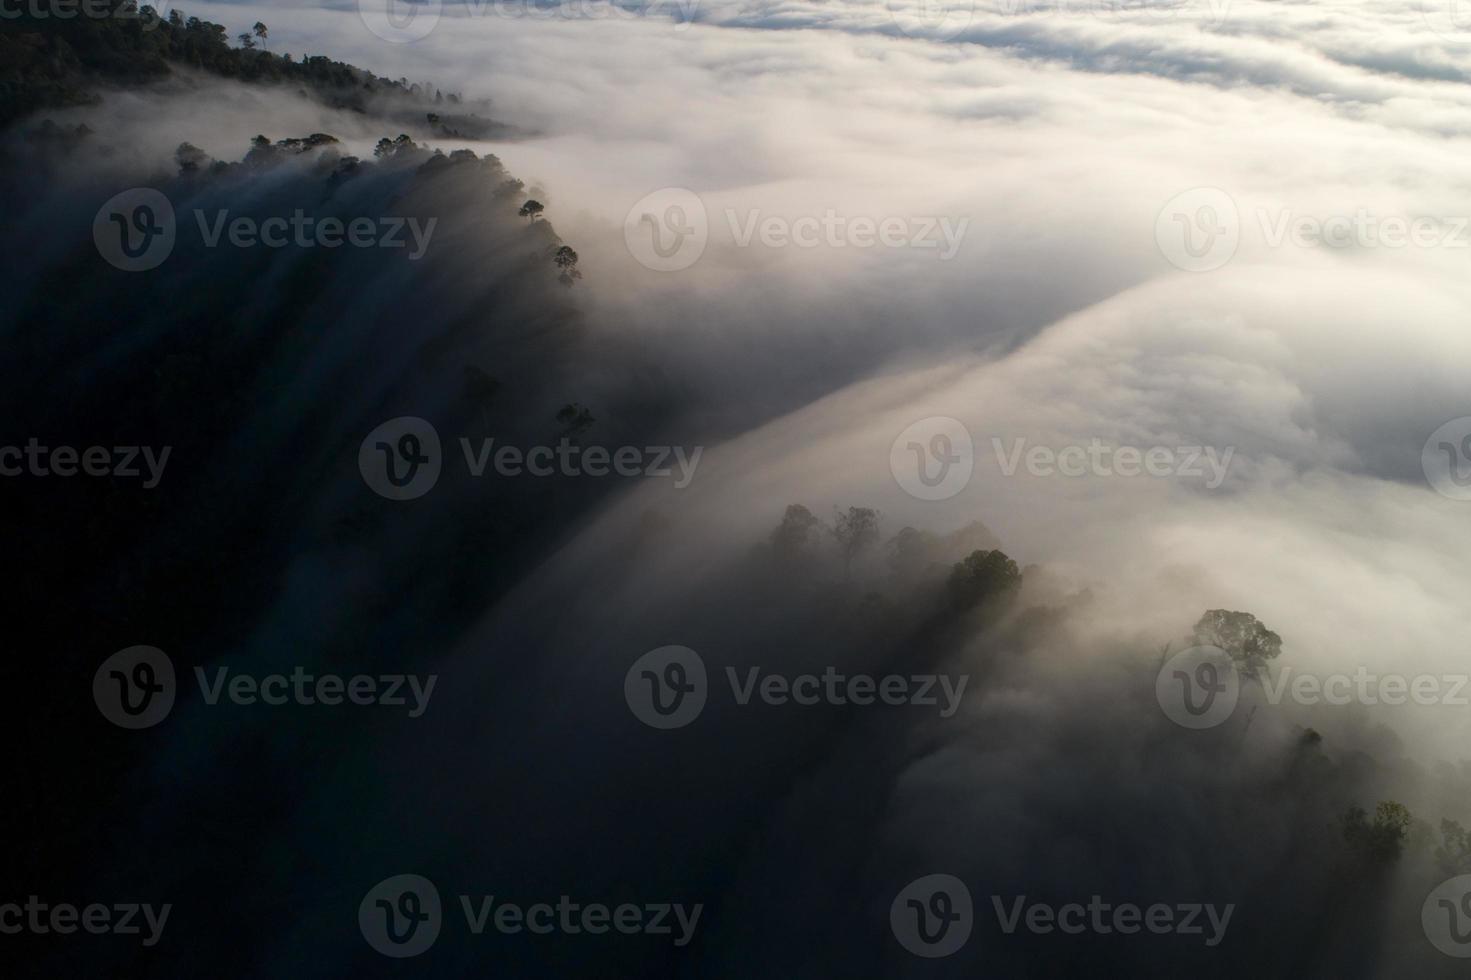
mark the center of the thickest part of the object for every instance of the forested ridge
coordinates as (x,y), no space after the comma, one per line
(57,53)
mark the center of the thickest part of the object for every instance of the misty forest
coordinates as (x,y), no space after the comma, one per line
(833,488)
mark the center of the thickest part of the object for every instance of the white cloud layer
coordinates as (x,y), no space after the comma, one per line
(1065,136)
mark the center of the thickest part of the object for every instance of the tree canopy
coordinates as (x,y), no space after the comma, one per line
(1248,642)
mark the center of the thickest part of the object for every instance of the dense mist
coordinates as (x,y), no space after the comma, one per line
(1024,352)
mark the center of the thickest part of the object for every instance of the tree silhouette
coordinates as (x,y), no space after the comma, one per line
(796,534)
(566,260)
(1453,853)
(856,529)
(1249,643)
(982,575)
(531,209)
(190,158)
(120,50)
(387,149)
(1382,840)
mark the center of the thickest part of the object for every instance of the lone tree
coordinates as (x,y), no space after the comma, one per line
(190,158)
(531,209)
(1384,838)
(1453,853)
(566,260)
(387,149)
(856,529)
(1249,643)
(260,31)
(797,533)
(982,575)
